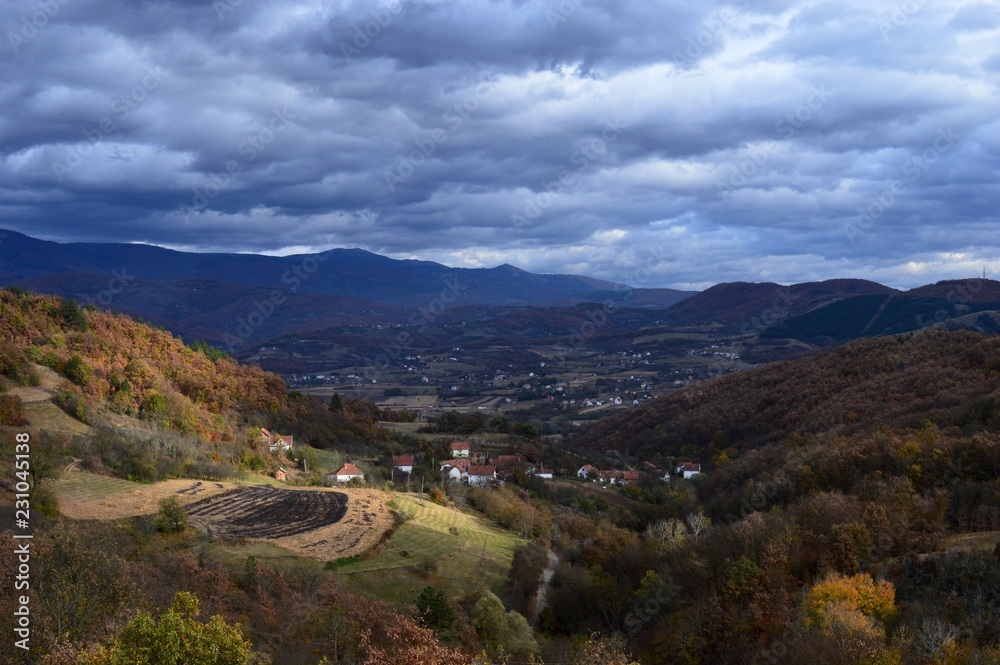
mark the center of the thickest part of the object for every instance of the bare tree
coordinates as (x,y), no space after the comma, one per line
(666,534)
(697,522)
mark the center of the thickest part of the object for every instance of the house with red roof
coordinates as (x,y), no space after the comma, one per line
(403,462)
(345,474)
(482,475)
(460,449)
(688,469)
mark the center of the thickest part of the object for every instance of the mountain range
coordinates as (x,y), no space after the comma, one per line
(253,298)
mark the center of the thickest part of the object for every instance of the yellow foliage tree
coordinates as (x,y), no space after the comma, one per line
(837,600)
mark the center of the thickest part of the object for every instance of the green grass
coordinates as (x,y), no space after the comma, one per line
(47,416)
(394,573)
(85,486)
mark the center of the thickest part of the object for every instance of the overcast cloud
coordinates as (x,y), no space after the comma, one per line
(656,143)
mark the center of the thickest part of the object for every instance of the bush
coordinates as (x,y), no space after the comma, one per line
(171,517)
(10,410)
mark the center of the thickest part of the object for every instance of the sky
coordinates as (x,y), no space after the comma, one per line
(659,144)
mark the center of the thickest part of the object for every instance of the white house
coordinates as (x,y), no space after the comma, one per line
(586,471)
(456,469)
(541,472)
(345,474)
(276,442)
(688,469)
(482,475)
(460,449)
(403,462)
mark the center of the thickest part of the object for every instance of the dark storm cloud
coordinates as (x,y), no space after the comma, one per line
(667,143)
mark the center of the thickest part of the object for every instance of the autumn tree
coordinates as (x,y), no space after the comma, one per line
(171,517)
(500,630)
(176,638)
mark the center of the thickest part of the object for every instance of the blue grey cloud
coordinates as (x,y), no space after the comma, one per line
(658,143)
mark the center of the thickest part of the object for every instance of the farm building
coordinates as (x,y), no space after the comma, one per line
(629,477)
(281,474)
(344,474)
(403,462)
(609,476)
(482,475)
(460,449)
(541,472)
(456,469)
(587,471)
(688,469)
(275,442)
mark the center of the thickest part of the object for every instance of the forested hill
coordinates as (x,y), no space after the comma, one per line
(110,368)
(948,378)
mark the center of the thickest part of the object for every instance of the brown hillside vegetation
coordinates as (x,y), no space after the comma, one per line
(117,366)
(948,378)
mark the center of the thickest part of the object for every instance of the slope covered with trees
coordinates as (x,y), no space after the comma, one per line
(128,379)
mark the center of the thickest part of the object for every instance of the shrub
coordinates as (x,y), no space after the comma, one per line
(171,517)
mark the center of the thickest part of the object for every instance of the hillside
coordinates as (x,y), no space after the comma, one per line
(747,306)
(113,371)
(887,314)
(948,378)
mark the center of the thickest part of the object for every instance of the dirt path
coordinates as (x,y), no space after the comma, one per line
(543,586)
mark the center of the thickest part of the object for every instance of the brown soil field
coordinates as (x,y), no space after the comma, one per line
(318,522)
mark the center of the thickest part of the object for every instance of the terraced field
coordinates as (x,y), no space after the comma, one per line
(266,512)
(319,523)
(477,556)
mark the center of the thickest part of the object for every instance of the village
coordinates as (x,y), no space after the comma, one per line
(483,469)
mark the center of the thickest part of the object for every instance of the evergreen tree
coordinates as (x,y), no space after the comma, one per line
(434,611)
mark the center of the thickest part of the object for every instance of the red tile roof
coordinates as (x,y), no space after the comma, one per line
(348,470)
(487,470)
(460,445)
(402,460)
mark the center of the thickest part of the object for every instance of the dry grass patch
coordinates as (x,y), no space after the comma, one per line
(233,510)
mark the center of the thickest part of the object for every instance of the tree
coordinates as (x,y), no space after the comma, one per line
(171,517)
(176,638)
(500,630)
(434,611)
(77,371)
(697,522)
(831,599)
(666,534)
(72,315)
(336,404)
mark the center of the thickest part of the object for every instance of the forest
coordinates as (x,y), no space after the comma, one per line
(848,512)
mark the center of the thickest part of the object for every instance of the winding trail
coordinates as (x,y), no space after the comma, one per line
(543,586)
